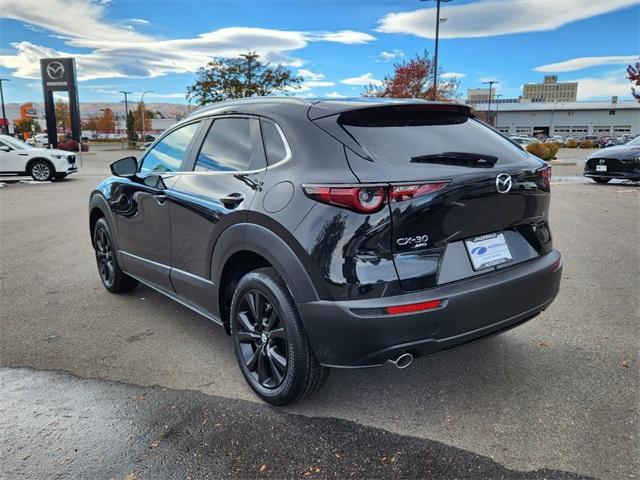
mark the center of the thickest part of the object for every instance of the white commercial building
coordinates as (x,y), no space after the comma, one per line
(577,119)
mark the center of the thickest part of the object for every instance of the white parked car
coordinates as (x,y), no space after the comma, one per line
(19,158)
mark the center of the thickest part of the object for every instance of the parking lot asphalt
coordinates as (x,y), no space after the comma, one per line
(559,393)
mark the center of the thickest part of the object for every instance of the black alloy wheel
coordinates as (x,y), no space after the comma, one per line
(262,339)
(104,256)
(112,276)
(271,345)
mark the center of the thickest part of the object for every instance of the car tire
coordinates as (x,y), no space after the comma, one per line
(270,342)
(601,179)
(61,176)
(41,171)
(112,276)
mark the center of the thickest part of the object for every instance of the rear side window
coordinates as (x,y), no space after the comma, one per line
(273,144)
(167,155)
(401,136)
(227,147)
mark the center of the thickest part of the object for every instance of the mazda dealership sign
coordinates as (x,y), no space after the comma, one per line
(59,75)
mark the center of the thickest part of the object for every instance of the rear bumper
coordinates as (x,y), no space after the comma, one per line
(471,309)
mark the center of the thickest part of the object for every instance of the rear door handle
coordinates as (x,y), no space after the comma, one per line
(232,200)
(160,199)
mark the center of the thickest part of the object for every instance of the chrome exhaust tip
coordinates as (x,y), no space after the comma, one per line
(403,361)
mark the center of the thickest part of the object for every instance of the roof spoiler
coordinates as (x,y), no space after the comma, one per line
(326,109)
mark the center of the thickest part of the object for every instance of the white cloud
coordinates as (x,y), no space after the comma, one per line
(452,75)
(363,80)
(120,51)
(385,56)
(313,79)
(335,95)
(587,62)
(348,37)
(497,17)
(140,21)
(319,83)
(607,86)
(309,75)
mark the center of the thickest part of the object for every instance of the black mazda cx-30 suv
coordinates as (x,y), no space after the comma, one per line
(326,233)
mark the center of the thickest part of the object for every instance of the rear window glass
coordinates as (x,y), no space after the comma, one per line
(427,136)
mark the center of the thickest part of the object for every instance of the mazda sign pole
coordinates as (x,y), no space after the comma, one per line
(5,122)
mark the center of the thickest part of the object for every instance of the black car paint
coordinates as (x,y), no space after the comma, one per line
(622,162)
(177,235)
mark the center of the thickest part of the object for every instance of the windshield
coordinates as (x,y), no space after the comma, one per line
(428,136)
(15,143)
(635,141)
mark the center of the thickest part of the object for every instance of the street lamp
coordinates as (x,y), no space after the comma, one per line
(491,83)
(126,111)
(142,108)
(5,126)
(435,58)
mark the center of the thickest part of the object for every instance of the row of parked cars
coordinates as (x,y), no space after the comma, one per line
(596,141)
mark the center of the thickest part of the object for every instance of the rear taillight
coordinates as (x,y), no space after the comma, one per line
(545,173)
(369,198)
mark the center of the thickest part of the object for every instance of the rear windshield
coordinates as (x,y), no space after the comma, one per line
(425,136)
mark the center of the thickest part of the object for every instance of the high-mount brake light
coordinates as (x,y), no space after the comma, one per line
(369,198)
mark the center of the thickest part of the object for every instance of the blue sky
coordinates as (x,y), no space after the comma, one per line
(338,46)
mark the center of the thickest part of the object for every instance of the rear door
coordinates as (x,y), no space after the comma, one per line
(457,188)
(214,193)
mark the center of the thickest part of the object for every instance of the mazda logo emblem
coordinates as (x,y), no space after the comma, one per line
(601,161)
(503,183)
(55,70)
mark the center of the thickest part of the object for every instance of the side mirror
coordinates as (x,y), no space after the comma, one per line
(125,167)
(4,148)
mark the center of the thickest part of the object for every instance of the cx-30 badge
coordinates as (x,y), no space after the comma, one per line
(503,183)
(55,70)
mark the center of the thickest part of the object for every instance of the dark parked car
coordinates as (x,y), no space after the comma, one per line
(621,161)
(332,233)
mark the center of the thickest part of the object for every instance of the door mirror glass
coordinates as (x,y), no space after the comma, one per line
(4,148)
(125,167)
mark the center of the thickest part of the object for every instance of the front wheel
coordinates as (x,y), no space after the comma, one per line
(271,345)
(601,179)
(41,171)
(112,276)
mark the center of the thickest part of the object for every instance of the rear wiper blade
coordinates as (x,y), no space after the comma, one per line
(463,159)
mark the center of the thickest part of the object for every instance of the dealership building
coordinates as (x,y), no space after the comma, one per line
(577,119)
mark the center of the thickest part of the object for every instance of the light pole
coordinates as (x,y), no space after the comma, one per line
(126,111)
(435,57)
(5,126)
(142,113)
(497,107)
(490,82)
